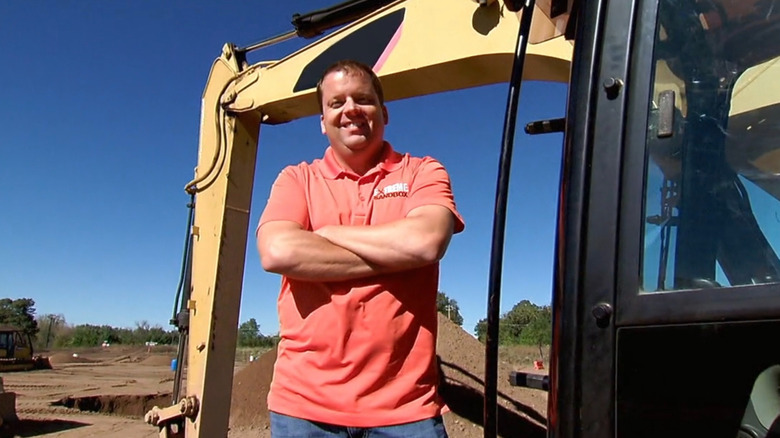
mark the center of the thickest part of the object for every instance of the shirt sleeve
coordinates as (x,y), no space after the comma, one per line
(431,186)
(287,201)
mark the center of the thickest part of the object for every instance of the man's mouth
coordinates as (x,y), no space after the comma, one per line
(354,125)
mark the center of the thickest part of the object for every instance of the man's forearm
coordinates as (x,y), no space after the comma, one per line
(407,243)
(303,255)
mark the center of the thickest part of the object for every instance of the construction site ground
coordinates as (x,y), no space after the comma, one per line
(104,392)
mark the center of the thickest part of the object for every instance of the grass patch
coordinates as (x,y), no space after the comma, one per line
(523,355)
(243,353)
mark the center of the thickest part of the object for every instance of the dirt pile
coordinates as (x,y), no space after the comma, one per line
(521,412)
(248,406)
(156,360)
(67,358)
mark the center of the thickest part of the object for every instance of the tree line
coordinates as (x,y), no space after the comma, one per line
(526,323)
(52,331)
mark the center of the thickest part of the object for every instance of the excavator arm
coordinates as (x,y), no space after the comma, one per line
(417,47)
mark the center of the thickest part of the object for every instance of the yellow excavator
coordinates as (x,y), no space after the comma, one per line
(666,288)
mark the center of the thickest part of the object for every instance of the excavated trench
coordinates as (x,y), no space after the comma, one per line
(124,405)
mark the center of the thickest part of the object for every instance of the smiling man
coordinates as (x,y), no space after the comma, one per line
(357,237)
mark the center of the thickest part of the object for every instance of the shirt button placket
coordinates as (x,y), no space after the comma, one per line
(362,184)
(358,212)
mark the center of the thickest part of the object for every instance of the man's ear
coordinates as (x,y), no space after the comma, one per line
(322,124)
(385,114)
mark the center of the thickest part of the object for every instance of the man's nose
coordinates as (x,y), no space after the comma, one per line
(350,106)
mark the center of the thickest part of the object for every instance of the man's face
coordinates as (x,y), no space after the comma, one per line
(352,117)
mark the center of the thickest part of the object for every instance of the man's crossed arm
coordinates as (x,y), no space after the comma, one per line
(343,252)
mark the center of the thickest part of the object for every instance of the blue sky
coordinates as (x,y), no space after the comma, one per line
(99,116)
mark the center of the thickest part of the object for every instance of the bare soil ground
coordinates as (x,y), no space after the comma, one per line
(104,392)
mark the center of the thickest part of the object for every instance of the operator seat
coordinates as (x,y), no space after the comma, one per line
(762,416)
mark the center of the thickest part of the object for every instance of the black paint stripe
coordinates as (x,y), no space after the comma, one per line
(365,45)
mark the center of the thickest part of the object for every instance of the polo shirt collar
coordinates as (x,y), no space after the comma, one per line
(388,162)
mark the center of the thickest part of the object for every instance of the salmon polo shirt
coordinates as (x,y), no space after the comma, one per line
(358,353)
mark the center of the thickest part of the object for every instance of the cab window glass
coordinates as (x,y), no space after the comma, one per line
(21,340)
(712,178)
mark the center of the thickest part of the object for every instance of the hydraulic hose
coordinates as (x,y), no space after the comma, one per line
(315,23)
(499,226)
(181,317)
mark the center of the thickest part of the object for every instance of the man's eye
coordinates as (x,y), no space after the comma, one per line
(336,103)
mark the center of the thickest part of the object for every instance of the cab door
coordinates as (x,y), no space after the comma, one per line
(667,290)
(582,369)
(697,279)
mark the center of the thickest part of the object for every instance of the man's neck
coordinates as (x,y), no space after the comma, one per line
(361,163)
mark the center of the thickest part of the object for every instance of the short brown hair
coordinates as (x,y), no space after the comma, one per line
(352,67)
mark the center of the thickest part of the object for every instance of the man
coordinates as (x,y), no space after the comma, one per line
(357,237)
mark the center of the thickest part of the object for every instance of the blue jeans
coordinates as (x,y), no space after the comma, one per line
(283,426)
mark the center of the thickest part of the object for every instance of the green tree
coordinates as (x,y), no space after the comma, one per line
(50,326)
(86,335)
(64,337)
(158,335)
(248,333)
(448,307)
(19,313)
(514,322)
(508,332)
(526,323)
(126,336)
(480,330)
(539,331)
(142,332)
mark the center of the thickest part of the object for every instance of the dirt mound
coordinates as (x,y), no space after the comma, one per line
(521,412)
(120,359)
(248,405)
(66,358)
(156,359)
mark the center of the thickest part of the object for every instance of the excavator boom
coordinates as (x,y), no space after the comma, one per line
(666,236)
(466,45)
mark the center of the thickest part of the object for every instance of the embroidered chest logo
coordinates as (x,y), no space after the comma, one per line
(397,190)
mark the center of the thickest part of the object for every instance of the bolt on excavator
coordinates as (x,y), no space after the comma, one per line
(666,288)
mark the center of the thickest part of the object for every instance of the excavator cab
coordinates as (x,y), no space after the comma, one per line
(667,293)
(16,350)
